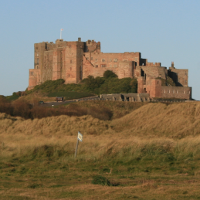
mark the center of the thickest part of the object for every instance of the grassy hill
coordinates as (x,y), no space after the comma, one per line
(87,87)
(151,152)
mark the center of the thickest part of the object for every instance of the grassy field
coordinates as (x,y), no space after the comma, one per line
(152,152)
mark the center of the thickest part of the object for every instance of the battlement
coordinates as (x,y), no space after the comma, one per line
(153,64)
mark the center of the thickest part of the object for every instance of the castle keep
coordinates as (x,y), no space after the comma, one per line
(74,61)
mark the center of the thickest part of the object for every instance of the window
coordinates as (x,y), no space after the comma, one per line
(96,60)
(115,65)
(103,65)
(31,73)
(91,58)
(115,60)
(70,61)
(103,60)
(96,66)
(87,58)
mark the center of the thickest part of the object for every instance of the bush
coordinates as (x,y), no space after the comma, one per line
(109,74)
(13,97)
(115,85)
(88,86)
(100,180)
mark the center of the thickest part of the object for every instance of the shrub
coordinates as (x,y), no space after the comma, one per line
(100,180)
(109,74)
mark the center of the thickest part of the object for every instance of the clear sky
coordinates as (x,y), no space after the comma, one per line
(162,30)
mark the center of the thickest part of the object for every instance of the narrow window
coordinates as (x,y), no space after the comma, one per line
(70,61)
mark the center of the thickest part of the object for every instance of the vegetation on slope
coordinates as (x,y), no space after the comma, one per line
(175,120)
(88,87)
(149,153)
(37,156)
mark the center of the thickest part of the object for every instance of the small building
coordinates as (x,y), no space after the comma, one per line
(59,99)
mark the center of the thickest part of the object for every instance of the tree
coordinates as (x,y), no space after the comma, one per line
(109,74)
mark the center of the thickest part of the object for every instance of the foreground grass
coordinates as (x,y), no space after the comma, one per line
(45,168)
(151,153)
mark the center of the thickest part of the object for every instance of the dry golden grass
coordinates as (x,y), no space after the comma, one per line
(167,135)
(175,120)
(157,121)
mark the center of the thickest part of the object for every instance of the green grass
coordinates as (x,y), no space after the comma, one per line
(88,86)
(139,174)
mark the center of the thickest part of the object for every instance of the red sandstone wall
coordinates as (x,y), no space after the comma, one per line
(123,70)
(141,83)
(73,62)
(34,78)
(179,75)
(56,73)
(155,90)
(176,92)
(111,59)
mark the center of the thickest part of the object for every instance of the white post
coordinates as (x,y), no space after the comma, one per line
(61,33)
(76,148)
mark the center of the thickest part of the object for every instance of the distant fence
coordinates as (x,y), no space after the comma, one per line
(132,97)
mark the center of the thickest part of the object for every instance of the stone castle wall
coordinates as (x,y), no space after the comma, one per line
(76,60)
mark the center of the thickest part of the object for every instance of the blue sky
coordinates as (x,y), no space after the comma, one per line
(162,30)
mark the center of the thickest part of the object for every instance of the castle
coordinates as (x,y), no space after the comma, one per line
(76,60)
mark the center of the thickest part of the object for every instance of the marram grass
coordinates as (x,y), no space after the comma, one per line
(151,153)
